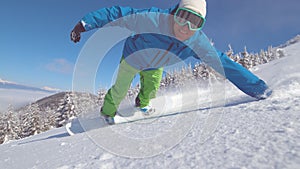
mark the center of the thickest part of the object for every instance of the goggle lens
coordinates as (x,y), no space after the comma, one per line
(185,16)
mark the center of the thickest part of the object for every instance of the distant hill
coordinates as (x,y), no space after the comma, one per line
(291,41)
(18,95)
(54,101)
(11,85)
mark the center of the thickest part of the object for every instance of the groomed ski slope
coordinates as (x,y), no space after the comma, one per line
(242,134)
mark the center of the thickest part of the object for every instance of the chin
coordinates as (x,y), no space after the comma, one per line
(179,37)
(182,38)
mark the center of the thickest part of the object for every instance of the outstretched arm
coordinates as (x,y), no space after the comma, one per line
(104,16)
(244,79)
(241,77)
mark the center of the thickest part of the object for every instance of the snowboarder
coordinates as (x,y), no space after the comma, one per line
(167,36)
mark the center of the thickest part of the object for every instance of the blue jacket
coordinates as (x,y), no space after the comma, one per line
(153,45)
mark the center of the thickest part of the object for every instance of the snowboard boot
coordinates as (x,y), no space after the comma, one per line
(147,110)
(108,119)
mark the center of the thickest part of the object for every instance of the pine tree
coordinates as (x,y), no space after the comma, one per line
(31,121)
(49,118)
(2,129)
(82,103)
(101,95)
(11,125)
(201,71)
(72,101)
(279,53)
(245,61)
(230,53)
(65,111)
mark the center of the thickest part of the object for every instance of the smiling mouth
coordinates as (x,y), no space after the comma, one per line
(182,31)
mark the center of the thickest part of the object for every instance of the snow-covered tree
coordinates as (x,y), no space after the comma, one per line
(9,125)
(83,102)
(2,129)
(101,94)
(133,91)
(31,121)
(280,53)
(201,71)
(48,118)
(65,111)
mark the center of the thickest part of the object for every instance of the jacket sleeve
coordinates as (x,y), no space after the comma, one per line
(101,17)
(241,77)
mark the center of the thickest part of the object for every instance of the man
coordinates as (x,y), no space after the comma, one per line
(160,37)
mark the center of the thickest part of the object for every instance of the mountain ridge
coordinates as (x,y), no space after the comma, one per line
(4,84)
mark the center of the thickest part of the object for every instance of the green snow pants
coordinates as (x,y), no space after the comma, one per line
(149,84)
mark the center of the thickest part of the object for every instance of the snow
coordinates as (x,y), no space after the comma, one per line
(243,134)
(4,81)
(51,89)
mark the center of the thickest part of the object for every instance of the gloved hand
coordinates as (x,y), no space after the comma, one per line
(75,34)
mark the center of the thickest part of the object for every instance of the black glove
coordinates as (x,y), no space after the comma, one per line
(75,34)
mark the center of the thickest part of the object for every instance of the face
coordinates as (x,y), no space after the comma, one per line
(182,32)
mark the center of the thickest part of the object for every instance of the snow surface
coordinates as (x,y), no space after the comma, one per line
(244,133)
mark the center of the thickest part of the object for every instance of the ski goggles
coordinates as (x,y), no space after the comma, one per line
(186,16)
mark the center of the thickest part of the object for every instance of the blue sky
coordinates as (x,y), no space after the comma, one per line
(36,49)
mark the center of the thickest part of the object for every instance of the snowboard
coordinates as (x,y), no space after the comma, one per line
(127,113)
(164,106)
(94,121)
